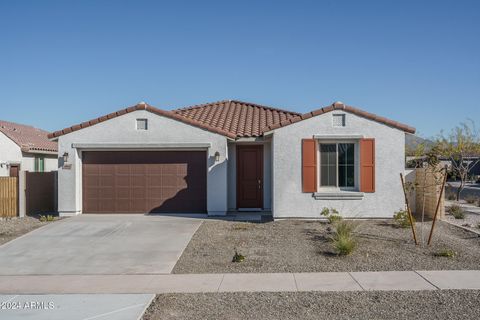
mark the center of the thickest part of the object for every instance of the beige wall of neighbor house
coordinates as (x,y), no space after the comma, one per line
(9,153)
(122,131)
(290,201)
(28,161)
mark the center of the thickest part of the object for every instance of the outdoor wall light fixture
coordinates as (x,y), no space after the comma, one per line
(217,156)
(65,157)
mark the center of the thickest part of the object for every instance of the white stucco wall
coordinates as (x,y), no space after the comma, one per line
(122,130)
(28,162)
(9,153)
(290,201)
(267,176)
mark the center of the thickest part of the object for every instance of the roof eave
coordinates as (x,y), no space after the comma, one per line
(142,106)
(346,108)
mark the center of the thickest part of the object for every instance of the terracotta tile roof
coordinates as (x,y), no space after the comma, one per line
(242,119)
(141,106)
(235,119)
(28,138)
(341,106)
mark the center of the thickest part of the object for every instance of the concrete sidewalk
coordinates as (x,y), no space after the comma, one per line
(242,282)
(74,306)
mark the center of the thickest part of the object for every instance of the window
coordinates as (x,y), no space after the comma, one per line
(142,124)
(337,165)
(39,165)
(338,120)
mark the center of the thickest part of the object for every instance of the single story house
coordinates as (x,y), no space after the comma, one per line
(25,148)
(233,156)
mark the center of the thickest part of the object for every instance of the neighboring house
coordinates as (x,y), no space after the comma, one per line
(25,148)
(232,155)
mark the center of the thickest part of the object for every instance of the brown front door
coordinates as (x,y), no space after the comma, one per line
(144,181)
(250,176)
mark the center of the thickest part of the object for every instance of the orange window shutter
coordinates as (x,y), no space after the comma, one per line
(367,165)
(309,165)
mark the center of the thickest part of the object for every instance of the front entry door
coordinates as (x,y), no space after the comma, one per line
(250,176)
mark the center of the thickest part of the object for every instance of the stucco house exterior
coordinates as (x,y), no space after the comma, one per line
(232,156)
(25,148)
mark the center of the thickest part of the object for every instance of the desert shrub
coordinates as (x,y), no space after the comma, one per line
(331,214)
(47,218)
(343,239)
(471,199)
(451,196)
(240,226)
(456,211)
(447,253)
(238,257)
(401,218)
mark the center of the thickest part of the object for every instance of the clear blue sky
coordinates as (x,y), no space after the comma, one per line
(63,62)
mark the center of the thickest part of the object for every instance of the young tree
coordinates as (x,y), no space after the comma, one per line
(462,148)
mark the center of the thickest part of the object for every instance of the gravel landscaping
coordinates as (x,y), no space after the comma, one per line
(11,228)
(304,246)
(472,216)
(461,304)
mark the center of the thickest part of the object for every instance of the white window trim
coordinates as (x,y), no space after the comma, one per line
(339,190)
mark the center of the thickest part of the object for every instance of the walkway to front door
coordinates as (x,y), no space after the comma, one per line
(250,176)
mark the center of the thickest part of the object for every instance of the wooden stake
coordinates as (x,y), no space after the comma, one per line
(412,224)
(438,207)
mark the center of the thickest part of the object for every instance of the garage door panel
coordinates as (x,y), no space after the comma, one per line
(122,193)
(106,181)
(105,193)
(104,169)
(169,181)
(138,193)
(146,181)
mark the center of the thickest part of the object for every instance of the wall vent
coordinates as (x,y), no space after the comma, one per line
(338,120)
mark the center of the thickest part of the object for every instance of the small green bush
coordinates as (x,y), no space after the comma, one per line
(241,226)
(447,253)
(343,239)
(456,211)
(401,218)
(238,257)
(331,214)
(47,218)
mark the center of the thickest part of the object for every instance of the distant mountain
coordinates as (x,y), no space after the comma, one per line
(412,141)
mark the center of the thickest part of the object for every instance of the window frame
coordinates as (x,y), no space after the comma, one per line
(356,162)
(143,120)
(39,164)
(343,116)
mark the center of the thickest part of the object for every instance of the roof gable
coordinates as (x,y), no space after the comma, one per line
(28,138)
(140,106)
(350,109)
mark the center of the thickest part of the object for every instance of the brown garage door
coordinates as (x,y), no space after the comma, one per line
(144,181)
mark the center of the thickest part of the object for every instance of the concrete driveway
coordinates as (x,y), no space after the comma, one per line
(100,244)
